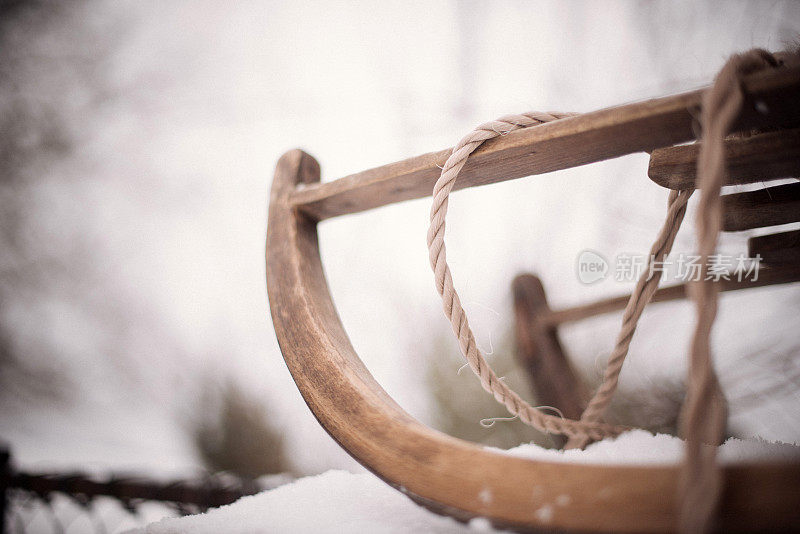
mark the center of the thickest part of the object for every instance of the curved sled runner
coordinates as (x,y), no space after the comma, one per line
(462,479)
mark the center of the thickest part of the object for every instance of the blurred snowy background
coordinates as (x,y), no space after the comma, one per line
(137,144)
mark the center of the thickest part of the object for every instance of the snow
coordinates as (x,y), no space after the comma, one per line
(338,501)
(642,448)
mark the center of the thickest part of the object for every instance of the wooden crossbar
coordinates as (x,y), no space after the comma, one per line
(767,276)
(773,100)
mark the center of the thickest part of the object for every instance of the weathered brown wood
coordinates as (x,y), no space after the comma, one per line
(758,158)
(776,249)
(767,276)
(540,353)
(760,208)
(449,475)
(570,142)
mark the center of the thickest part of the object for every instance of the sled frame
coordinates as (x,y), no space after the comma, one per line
(455,477)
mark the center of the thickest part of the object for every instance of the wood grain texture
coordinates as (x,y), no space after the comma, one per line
(776,249)
(450,475)
(770,206)
(758,158)
(570,142)
(540,352)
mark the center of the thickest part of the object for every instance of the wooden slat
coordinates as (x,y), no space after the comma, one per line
(760,208)
(776,249)
(767,276)
(562,144)
(757,158)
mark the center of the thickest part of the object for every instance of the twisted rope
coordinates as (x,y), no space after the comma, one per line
(704,413)
(590,426)
(452,304)
(645,288)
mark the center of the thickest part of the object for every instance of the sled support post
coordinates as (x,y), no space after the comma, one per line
(540,352)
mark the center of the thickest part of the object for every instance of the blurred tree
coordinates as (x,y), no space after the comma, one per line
(32,133)
(234,434)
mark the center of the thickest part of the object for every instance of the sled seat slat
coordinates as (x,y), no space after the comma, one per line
(776,249)
(758,158)
(770,206)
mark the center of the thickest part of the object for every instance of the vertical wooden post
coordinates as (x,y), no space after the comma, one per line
(540,352)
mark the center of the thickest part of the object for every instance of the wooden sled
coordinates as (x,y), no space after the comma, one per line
(462,479)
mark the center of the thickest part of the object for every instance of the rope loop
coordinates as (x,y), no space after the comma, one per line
(453,309)
(590,427)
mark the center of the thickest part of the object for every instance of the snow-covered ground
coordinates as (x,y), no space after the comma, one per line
(343,502)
